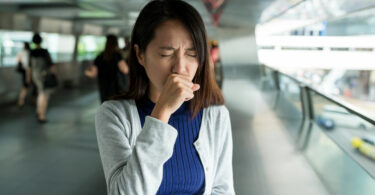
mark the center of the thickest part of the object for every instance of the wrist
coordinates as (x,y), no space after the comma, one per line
(161,113)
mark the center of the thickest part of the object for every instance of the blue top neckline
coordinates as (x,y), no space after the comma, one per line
(147,106)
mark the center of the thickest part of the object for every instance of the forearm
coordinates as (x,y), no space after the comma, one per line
(143,171)
(161,114)
(132,168)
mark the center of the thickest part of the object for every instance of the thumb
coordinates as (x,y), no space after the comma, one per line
(195,87)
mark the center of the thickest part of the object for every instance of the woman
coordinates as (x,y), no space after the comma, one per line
(41,63)
(23,67)
(170,133)
(109,67)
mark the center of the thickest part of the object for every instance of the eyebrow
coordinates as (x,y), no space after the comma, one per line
(171,48)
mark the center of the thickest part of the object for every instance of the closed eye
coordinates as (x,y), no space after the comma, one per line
(191,52)
(192,55)
(165,55)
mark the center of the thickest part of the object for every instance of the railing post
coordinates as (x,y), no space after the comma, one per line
(276,79)
(307,103)
(310,104)
(308,116)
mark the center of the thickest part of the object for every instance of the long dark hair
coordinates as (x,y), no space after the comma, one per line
(111,46)
(26,46)
(152,15)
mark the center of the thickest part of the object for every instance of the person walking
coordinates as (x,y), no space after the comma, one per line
(108,67)
(23,68)
(41,65)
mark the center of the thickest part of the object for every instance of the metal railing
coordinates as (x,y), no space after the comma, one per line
(312,102)
(306,96)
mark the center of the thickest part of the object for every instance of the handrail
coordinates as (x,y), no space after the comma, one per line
(341,103)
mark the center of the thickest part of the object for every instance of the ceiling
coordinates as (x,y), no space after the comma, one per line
(236,16)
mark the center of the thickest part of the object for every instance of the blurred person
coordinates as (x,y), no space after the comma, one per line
(148,137)
(108,67)
(41,65)
(126,49)
(216,64)
(23,68)
(214,52)
(124,78)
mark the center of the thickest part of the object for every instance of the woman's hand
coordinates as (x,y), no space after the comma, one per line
(177,90)
(53,69)
(92,71)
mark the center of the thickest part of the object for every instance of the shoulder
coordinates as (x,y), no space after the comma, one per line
(117,107)
(21,53)
(99,57)
(32,52)
(39,52)
(218,112)
(45,51)
(118,55)
(116,112)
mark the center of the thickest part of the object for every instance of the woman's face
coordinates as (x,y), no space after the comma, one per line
(171,51)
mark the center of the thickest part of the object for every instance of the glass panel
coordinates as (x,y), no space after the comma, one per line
(338,171)
(60,47)
(354,135)
(90,46)
(11,43)
(339,145)
(289,105)
(291,91)
(121,42)
(267,81)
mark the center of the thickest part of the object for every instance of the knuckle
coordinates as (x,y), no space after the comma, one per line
(180,91)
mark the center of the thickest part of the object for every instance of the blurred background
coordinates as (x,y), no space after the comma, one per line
(298,77)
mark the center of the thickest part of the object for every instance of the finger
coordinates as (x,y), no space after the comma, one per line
(184,92)
(189,96)
(187,90)
(187,83)
(181,76)
(196,87)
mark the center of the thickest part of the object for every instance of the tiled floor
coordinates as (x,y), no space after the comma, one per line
(61,157)
(265,160)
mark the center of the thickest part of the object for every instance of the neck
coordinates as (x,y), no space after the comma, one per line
(153,94)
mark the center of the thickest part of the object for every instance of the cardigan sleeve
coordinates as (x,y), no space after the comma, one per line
(223,179)
(134,169)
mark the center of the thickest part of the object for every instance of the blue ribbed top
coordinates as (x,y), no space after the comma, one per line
(183,173)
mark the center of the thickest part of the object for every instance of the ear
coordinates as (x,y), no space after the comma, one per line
(140,55)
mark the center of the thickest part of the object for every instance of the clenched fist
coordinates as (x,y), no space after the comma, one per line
(177,90)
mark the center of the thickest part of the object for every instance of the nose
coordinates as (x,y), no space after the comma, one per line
(179,66)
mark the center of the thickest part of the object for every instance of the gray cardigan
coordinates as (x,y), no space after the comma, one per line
(133,157)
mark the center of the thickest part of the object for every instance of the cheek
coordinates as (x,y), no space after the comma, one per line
(157,71)
(193,68)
